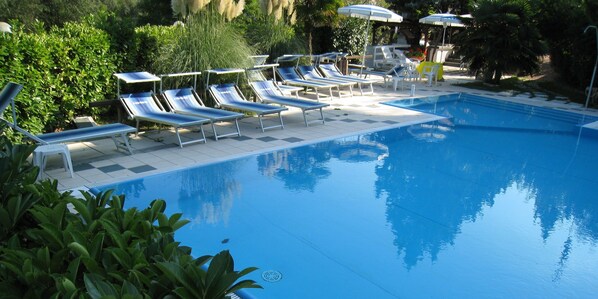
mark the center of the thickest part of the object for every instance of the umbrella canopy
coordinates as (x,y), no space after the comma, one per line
(5,27)
(444,20)
(370,13)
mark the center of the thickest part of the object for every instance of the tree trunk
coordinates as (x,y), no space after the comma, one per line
(488,76)
(497,76)
(309,40)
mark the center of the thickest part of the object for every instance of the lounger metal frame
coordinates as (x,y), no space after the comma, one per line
(331,71)
(166,118)
(299,81)
(216,96)
(198,108)
(309,72)
(233,116)
(255,74)
(386,75)
(268,92)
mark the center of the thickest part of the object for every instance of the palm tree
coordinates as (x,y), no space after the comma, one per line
(501,39)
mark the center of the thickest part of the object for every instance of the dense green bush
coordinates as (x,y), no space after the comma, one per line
(148,41)
(121,34)
(62,71)
(53,245)
(562,23)
(59,12)
(348,37)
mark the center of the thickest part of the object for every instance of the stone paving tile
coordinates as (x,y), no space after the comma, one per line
(142,168)
(82,167)
(111,168)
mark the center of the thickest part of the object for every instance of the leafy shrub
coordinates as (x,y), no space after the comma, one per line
(348,37)
(63,70)
(99,250)
(148,40)
(83,66)
(121,34)
(572,52)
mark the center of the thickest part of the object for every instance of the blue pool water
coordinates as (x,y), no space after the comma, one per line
(497,201)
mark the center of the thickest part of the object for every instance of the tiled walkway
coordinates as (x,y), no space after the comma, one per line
(98,162)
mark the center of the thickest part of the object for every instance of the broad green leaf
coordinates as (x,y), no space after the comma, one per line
(81,208)
(79,249)
(96,288)
(177,275)
(66,285)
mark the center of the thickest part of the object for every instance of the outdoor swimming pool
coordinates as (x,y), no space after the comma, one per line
(498,201)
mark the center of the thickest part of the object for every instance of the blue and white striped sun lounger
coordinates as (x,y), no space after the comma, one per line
(289,76)
(11,90)
(268,92)
(256,74)
(331,71)
(144,107)
(309,72)
(187,101)
(228,96)
(386,75)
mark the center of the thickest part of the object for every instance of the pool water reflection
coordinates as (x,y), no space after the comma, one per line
(451,209)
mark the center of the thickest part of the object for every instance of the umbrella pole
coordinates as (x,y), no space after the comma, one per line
(443,34)
(365,46)
(595,66)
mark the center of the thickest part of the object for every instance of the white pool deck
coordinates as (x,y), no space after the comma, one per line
(98,162)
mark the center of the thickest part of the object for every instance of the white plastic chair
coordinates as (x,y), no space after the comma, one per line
(431,72)
(411,72)
(41,153)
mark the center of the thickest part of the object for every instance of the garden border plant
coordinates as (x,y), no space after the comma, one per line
(54,245)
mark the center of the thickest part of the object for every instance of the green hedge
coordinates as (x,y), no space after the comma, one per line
(62,70)
(148,41)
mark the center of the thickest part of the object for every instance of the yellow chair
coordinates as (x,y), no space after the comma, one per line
(431,72)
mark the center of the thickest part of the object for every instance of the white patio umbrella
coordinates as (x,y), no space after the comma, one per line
(444,20)
(5,28)
(370,13)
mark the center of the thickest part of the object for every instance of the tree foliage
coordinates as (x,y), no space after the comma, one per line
(58,12)
(562,23)
(348,36)
(317,14)
(155,12)
(502,39)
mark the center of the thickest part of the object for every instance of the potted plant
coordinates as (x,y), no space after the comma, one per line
(416,54)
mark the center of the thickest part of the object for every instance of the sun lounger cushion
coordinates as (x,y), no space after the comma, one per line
(183,101)
(227,96)
(83,134)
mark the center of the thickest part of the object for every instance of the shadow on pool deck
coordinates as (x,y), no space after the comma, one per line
(98,162)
